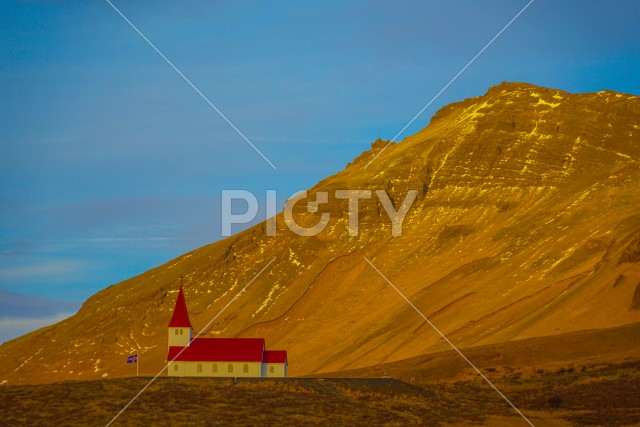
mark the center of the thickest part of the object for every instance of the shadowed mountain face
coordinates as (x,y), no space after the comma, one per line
(527,224)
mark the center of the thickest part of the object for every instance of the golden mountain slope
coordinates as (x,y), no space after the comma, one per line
(527,224)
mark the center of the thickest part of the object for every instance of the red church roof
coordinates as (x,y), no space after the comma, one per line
(275,356)
(220,350)
(180,318)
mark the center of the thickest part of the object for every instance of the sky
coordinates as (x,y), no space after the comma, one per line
(111,164)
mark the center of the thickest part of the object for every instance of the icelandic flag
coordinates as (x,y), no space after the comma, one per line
(132,359)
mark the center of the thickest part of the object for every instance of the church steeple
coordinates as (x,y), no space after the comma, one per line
(180,318)
(180,330)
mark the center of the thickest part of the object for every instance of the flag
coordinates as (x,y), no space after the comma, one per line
(132,359)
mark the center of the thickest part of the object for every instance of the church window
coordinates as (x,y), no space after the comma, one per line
(245,368)
(215,368)
(181,332)
(199,367)
(230,368)
(272,369)
(176,332)
(175,368)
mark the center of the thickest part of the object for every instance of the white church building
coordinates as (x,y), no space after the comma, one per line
(218,357)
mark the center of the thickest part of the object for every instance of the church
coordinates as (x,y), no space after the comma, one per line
(218,357)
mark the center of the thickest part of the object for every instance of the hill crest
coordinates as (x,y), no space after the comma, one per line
(526,225)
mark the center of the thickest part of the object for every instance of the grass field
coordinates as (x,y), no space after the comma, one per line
(593,395)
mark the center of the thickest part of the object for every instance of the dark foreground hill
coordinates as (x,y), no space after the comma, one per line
(595,395)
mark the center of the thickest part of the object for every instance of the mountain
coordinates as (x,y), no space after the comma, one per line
(526,224)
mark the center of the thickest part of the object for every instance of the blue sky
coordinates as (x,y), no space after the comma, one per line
(111,164)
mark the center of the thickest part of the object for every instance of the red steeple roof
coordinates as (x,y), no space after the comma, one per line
(180,318)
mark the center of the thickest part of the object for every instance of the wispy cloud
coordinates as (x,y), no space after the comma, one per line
(21,314)
(44,268)
(110,240)
(24,306)
(14,327)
